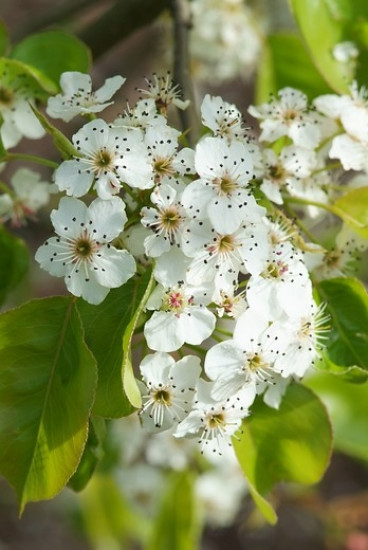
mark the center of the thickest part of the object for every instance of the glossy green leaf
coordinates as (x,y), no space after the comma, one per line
(61,142)
(92,454)
(13,261)
(176,525)
(323,25)
(292,443)
(286,62)
(347,304)
(18,76)
(53,52)
(47,386)
(353,374)
(129,382)
(105,326)
(4,38)
(348,407)
(353,209)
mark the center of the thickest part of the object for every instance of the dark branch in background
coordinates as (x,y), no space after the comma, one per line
(100,35)
(181,19)
(122,19)
(53,16)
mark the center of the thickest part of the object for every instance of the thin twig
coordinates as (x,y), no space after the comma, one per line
(181,19)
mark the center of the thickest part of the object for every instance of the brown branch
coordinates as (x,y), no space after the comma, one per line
(122,19)
(181,26)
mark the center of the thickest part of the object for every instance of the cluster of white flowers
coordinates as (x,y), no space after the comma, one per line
(232,271)
(226,38)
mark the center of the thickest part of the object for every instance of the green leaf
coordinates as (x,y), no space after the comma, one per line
(348,407)
(16,75)
(347,304)
(353,374)
(285,62)
(61,142)
(292,443)
(104,327)
(323,27)
(4,38)
(129,382)
(353,209)
(109,519)
(176,525)
(53,52)
(92,454)
(13,260)
(47,386)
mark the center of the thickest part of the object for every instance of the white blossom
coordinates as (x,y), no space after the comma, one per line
(82,253)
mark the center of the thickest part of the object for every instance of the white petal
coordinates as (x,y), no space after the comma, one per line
(113,267)
(108,218)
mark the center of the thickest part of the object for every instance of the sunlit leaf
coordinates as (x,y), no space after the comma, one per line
(348,407)
(285,62)
(129,382)
(176,525)
(324,24)
(17,75)
(105,326)
(347,304)
(47,385)
(13,262)
(108,519)
(53,52)
(353,209)
(292,443)
(92,454)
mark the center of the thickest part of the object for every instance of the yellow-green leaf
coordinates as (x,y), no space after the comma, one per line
(47,386)
(292,443)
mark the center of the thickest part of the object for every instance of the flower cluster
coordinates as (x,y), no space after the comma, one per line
(232,270)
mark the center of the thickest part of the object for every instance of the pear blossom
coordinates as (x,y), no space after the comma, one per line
(244,362)
(82,253)
(166,219)
(214,422)
(180,317)
(17,97)
(282,285)
(168,390)
(288,116)
(302,338)
(142,115)
(29,195)
(164,92)
(108,157)
(77,97)
(166,160)
(222,118)
(220,192)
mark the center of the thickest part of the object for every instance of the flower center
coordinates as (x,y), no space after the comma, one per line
(161,396)
(215,421)
(289,115)
(275,270)
(162,166)
(276,172)
(226,244)
(225,185)
(102,160)
(170,219)
(6,96)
